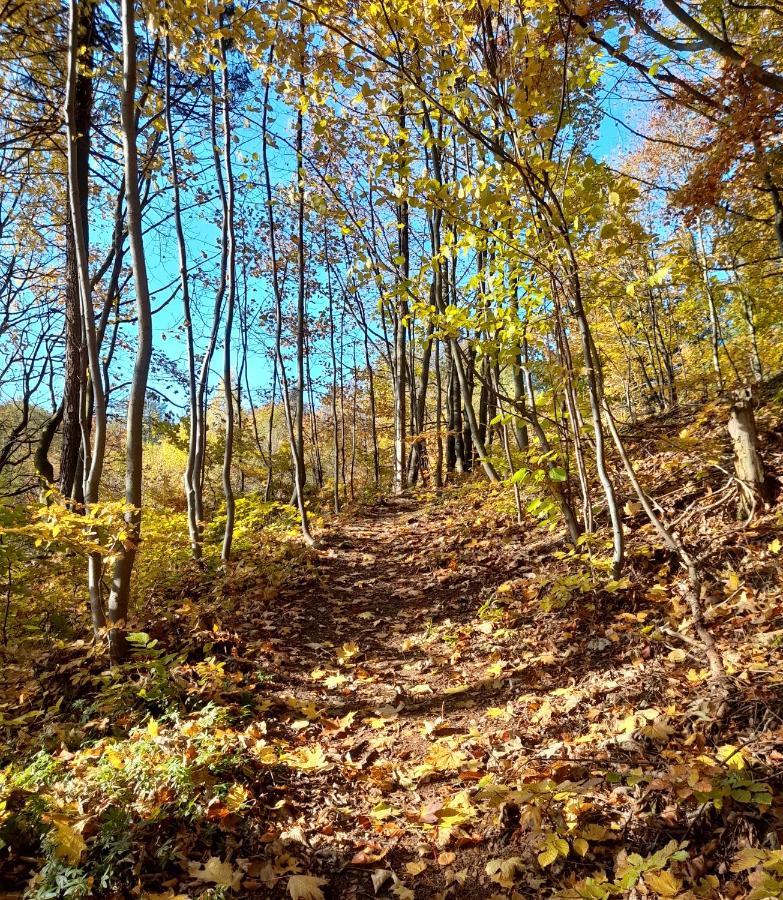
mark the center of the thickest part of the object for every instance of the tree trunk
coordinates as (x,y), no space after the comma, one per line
(711,307)
(74,380)
(400,334)
(190,474)
(125,552)
(335,423)
(753,483)
(300,295)
(278,295)
(93,439)
(438,419)
(231,290)
(75,361)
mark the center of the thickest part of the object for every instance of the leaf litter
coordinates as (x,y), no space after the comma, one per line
(427,706)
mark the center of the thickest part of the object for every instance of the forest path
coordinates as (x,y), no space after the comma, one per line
(399,677)
(397,571)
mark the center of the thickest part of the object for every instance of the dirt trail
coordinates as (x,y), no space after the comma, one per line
(413,681)
(388,574)
(376,633)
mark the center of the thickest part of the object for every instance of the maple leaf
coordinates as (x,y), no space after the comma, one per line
(308,759)
(747,858)
(306,887)
(348,651)
(216,872)
(665,884)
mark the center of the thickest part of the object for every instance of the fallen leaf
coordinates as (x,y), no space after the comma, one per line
(216,872)
(306,887)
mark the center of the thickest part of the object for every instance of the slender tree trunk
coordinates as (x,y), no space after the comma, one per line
(438,419)
(574,422)
(75,351)
(470,415)
(125,553)
(190,475)
(300,297)
(335,423)
(318,469)
(268,486)
(75,375)
(419,447)
(353,422)
(43,467)
(93,439)
(711,307)
(594,394)
(376,458)
(202,386)
(555,487)
(749,312)
(400,327)
(231,290)
(451,414)
(277,291)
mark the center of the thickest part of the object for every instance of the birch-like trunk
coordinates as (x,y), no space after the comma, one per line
(125,552)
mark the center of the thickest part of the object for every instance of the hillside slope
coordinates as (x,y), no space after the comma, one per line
(437,701)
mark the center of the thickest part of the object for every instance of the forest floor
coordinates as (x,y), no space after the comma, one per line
(435,702)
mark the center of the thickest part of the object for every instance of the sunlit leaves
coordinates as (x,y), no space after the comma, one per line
(306,887)
(216,872)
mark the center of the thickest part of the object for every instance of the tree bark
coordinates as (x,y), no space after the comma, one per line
(190,475)
(125,552)
(749,468)
(93,439)
(231,289)
(75,354)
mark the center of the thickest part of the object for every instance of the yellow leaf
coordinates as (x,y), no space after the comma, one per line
(415,868)
(236,797)
(774,546)
(68,843)
(383,810)
(348,651)
(547,857)
(306,887)
(216,872)
(732,756)
(113,758)
(152,728)
(308,758)
(266,755)
(663,883)
(581,846)
(677,655)
(503,871)
(748,858)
